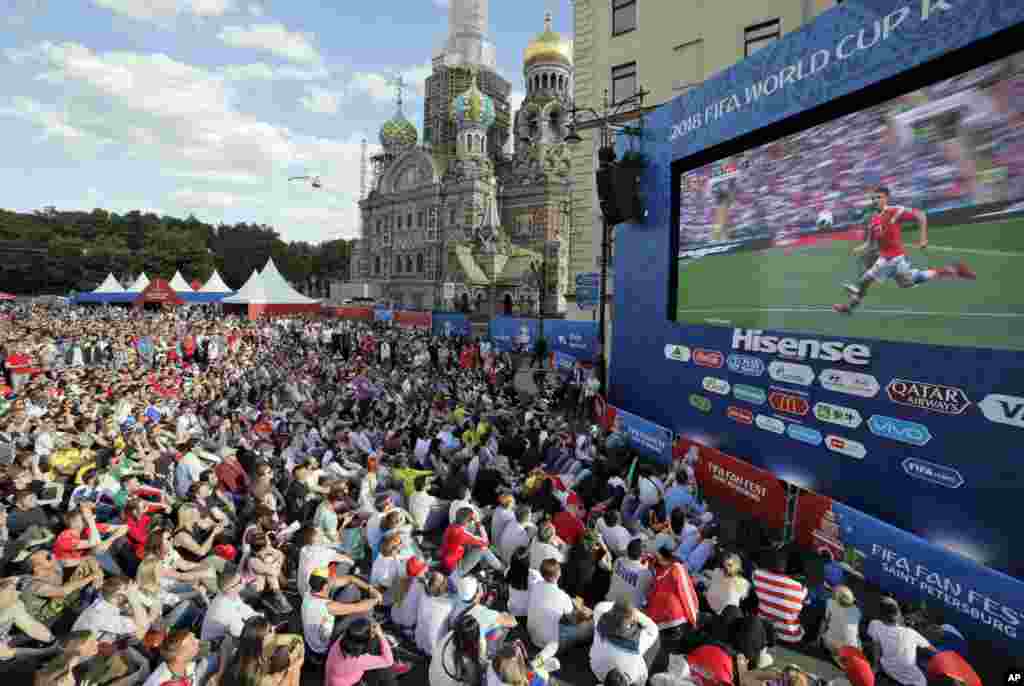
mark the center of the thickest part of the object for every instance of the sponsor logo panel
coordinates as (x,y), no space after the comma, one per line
(708,358)
(776,426)
(750,394)
(928,396)
(1003,409)
(740,414)
(900,430)
(754,340)
(804,434)
(713,384)
(679,353)
(700,402)
(747,365)
(845,446)
(788,372)
(850,383)
(837,414)
(789,404)
(933,473)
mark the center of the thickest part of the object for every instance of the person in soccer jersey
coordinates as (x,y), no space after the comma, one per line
(865,260)
(892,261)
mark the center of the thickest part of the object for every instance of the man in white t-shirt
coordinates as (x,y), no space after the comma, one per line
(615,536)
(227,613)
(502,515)
(623,640)
(320,612)
(546,546)
(552,616)
(435,608)
(429,513)
(104,616)
(895,646)
(516,533)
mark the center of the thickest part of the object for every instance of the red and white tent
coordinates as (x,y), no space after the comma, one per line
(267,292)
(179,284)
(215,284)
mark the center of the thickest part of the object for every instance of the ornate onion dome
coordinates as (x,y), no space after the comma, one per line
(473,107)
(548,47)
(398,132)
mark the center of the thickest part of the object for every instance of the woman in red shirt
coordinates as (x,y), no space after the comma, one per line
(457,538)
(82,536)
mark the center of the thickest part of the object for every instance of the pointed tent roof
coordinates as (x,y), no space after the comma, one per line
(178,283)
(215,284)
(110,285)
(140,284)
(270,288)
(158,291)
(249,285)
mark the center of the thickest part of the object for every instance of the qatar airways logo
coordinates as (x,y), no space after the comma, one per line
(754,341)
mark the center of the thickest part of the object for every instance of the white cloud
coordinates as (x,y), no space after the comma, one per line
(380,86)
(443,4)
(515,100)
(320,100)
(261,71)
(255,9)
(175,116)
(274,38)
(158,10)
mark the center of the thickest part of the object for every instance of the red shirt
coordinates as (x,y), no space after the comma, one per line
(64,545)
(568,527)
(138,533)
(453,545)
(671,599)
(885,228)
(710,665)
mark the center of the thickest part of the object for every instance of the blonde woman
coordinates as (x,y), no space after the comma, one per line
(510,668)
(842,622)
(194,544)
(726,585)
(175,599)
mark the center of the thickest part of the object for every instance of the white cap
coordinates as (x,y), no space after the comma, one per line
(467,588)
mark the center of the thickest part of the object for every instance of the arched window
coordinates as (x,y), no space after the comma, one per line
(419,264)
(451,218)
(399,221)
(376,265)
(408,220)
(419,218)
(536,83)
(408,264)
(398,264)
(544,81)
(379,222)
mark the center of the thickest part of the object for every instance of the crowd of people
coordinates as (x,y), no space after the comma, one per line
(192,499)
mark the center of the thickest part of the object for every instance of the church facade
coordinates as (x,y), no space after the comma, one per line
(452,220)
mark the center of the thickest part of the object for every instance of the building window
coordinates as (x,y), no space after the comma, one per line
(419,264)
(623,82)
(408,264)
(379,223)
(761,35)
(398,265)
(399,221)
(451,218)
(419,219)
(408,220)
(623,16)
(376,265)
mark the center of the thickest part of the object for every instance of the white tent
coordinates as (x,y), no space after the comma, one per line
(179,284)
(139,285)
(110,285)
(269,288)
(215,284)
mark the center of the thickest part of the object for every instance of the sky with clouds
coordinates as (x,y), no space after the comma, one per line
(208,106)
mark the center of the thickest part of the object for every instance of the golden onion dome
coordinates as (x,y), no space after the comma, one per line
(548,47)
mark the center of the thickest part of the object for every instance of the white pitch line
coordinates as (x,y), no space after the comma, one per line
(822,308)
(976,251)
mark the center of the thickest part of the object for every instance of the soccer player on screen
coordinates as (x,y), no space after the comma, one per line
(867,257)
(892,261)
(723,193)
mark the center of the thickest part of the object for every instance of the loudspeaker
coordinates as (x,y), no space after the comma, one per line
(618,192)
(606,195)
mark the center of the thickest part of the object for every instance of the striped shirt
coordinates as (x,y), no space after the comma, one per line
(780,600)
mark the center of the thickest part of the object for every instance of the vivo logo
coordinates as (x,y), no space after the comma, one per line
(753,340)
(804,434)
(900,430)
(748,365)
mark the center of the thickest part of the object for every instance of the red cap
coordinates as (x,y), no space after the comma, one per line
(858,670)
(574,500)
(415,566)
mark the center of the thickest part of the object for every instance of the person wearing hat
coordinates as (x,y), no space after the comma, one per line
(895,646)
(790,675)
(409,593)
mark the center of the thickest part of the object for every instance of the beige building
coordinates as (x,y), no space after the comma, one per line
(667,47)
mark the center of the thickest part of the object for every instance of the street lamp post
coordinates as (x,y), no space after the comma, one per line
(539,272)
(442,203)
(603,119)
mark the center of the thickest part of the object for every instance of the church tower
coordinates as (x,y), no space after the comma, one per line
(466,51)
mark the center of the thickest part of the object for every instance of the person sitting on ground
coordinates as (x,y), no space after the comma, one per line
(325,619)
(51,600)
(520,580)
(546,546)
(364,656)
(435,609)
(631,575)
(461,551)
(841,625)
(410,592)
(255,655)
(460,656)
(429,513)
(625,639)
(726,585)
(553,616)
(780,598)
(615,536)
(516,534)
(265,565)
(895,645)
(494,625)
(104,616)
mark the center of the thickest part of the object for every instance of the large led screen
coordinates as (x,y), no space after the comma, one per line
(796,234)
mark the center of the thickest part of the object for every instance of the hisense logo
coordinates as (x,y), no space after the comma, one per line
(753,340)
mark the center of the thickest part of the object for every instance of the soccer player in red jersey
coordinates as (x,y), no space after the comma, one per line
(892,261)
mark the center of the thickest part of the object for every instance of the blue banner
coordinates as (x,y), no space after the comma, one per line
(983,604)
(576,338)
(383,315)
(649,439)
(514,334)
(564,361)
(451,324)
